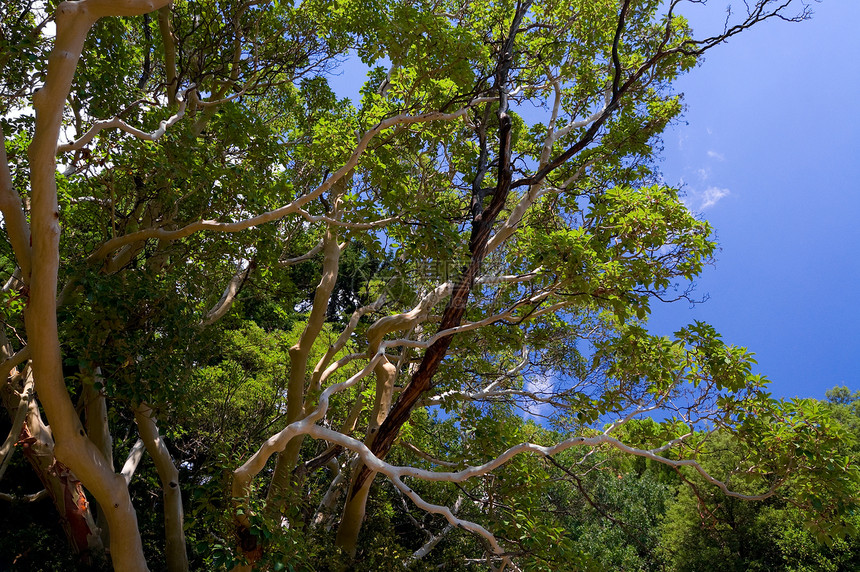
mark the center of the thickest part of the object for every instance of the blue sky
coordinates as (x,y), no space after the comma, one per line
(772,118)
(768,153)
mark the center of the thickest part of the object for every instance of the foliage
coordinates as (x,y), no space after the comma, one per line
(446,281)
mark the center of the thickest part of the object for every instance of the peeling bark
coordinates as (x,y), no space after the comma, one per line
(37,444)
(65,490)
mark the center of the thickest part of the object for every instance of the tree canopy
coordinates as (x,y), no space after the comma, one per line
(408,329)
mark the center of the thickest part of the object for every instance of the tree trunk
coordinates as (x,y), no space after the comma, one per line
(72,447)
(177,559)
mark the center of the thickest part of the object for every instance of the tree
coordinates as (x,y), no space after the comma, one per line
(703,531)
(493,195)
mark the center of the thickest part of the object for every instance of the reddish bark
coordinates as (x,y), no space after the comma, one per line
(68,496)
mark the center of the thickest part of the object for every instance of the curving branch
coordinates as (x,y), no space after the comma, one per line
(43,494)
(433,540)
(350,225)
(25,396)
(118,123)
(340,343)
(162,233)
(165,27)
(427,456)
(14,361)
(301,258)
(133,460)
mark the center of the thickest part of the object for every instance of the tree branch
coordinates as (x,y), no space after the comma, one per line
(118,123)
(177,559)
(17,227)
(220,309)
(277,214)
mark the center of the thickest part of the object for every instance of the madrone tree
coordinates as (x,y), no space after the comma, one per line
(168,165)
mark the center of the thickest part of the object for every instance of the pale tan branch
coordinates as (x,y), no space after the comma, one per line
(308,426)
(220,309)
(306,256)
(327,503)
(118,123)
(165,26)
(6,450)
(177,559)
(98,9)
(351,225)
(12,208)
(95,406)
(492,395)
(14,361)
(426,456)
(340,343)
(213,103)
(133,460)
(433,540)
(279,213)
(469,326)
(528,199)
(406,320)
(339,364)
(43,494)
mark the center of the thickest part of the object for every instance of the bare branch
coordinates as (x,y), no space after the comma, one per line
(351,225)
(220,309)
(118,123)
(166,28)
(133,460)
(306,256)
(433,541)
(177,559)
(17,227)
(14,361)
(25,397)
(43,494)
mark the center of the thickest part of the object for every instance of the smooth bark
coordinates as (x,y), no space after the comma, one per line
(73,449)
(175,551)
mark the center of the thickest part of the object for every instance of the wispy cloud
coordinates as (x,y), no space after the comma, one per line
(715,155)
(541,387)
(698,201)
